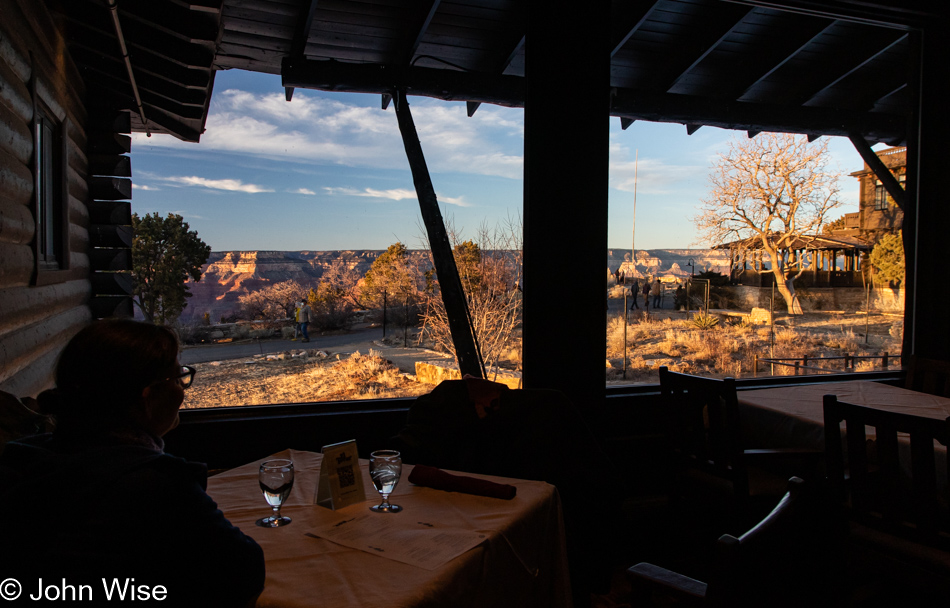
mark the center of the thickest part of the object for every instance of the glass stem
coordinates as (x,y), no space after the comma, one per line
(276,512)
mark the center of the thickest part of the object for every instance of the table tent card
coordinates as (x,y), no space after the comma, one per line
(341,480)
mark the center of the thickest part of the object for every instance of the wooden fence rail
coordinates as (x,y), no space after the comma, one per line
(801,363)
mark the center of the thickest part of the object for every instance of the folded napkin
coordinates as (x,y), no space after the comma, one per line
(438,479)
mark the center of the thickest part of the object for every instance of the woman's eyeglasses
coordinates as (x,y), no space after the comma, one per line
(185,376)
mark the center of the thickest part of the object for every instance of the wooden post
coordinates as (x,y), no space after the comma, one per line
(453,295)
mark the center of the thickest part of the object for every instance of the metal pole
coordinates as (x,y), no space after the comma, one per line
(867,317)
(384,313)
(405,327)
(633,234)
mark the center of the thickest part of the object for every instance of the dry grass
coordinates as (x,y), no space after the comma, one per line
(729,349)
(295,379)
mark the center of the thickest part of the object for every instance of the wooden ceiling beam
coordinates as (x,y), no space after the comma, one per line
(758,117)
(113,67)
(416,30)
(172,18)
(906,14)
(716,34)
(147,63)
(308,8)
(815,35)
(629,16)
(509,91)
(502,66)
(876,165)
(886,47)
(140,39)
(149,98)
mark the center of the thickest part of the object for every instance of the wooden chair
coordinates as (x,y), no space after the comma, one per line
(930,376)
(702,415)
(790,558)
(899,514)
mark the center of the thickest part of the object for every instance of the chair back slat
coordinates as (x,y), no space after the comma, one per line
(703,424)
(883,492)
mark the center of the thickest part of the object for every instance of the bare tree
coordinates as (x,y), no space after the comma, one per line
(273,301)
(343,277)
(773,188)
(490,269)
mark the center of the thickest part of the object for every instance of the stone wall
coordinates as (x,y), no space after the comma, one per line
(847,299)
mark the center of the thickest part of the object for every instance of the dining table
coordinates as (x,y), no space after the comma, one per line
(793,416)
(519,560)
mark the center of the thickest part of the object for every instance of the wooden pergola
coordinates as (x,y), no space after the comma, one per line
(815,255)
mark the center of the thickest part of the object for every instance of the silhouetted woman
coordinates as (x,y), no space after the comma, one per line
(99,503)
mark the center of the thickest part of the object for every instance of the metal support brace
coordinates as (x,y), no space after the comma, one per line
(453,296)
(884,174)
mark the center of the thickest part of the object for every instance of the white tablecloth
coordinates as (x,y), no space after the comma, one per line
(523,562)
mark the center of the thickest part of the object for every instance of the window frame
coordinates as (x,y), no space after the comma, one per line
(50,194)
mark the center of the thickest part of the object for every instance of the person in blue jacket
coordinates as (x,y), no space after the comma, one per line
(97,507)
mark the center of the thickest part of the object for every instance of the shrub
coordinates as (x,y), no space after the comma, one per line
(705,321)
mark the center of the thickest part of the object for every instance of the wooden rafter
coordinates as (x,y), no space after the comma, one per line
(867,60)
(784,60)
(308,8)
(418,25)
(728,18)
(472,106)
(630,21)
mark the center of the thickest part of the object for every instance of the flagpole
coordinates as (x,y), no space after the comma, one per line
(633,236)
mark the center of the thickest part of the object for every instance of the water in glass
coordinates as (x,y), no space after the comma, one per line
(385,468)
(276,478)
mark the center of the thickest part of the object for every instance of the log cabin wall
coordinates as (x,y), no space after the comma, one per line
(42,303)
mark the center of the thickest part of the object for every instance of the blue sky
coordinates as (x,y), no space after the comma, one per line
(328,171)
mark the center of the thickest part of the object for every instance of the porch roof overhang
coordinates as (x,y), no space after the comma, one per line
(795,243)
(828,68)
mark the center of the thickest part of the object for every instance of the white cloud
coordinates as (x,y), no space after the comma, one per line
(315,129)
(231,185)
(303,191)
(144,187)
(395,194)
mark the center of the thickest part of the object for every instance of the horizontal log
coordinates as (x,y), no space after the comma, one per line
(105,118)
(35,377)
(110,164)
(103,235)
(11,50)
(76,155)
(110,212)
(17,266)
(110,259)
(16,223)
(15,136)
(78,213)
(14,94)
(77,135)
(78,184)
(112,283)
(23,306)
(16,179)
(104,142)
(30,343)
(111,307)
(110,188)
(79,238)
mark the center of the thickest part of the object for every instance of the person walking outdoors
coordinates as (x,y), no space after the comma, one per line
(656,291)
(635,292)
(303,319)
(646,294)
(296,320)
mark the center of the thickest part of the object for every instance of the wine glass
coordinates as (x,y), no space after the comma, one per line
(385,468)
(277,479)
